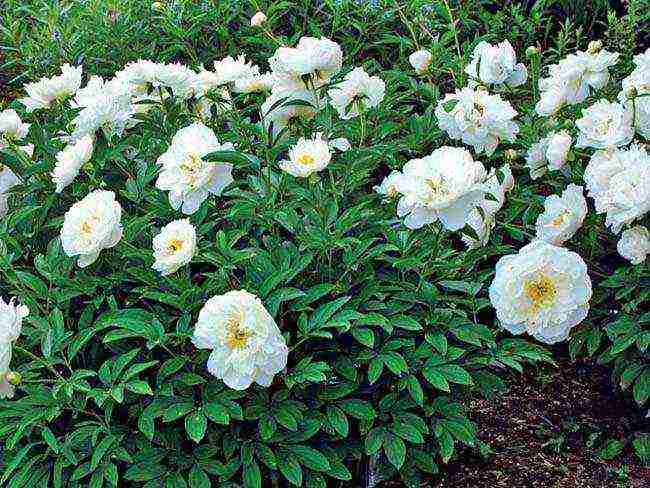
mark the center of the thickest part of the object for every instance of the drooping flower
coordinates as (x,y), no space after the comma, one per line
(551,152)
(562,216)
(8,179)
(91,224)
(572,79)
(634,244)
(307,156)
(317,58)
(356,93)
(477,118)
(70,160)
(186,175)
(420,60)
(43,92)
(605,124)
(445,186)
(619,182)
(495,65)
(11,321)
(245,341)
(543,290)
(174,246)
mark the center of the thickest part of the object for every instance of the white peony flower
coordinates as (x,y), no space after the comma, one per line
(288,100)
(477,118)
(445,186)
(562,216)
(543,290)
(91,225)
(142,74)
(550,152)
(496,64)
(43,92)
(188,178)
(307,156)
(573,79)
(318,58)
(605,124)
(11,126)
(388,185)
(174,246)
(357,92)
(11,320)
(637,84)
(634,244)
(420,60)
(8,179)
(619,182)
(258,19)
(246,343)
(70,160)
(229,70)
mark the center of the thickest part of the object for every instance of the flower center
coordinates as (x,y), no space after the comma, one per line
(236,337)
(560,219)
(192,168)
(88,225)
(305,159)
(541,291)
(174,245)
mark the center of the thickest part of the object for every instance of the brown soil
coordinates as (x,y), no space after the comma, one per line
(546,431)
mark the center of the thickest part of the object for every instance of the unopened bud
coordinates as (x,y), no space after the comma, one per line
(594,47)
(631,92)
(14,378)
(258,19)
(531,51)
(158,6)
(511,154)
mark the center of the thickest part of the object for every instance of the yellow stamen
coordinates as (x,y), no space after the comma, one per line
(541,291)
(305,159)
(237,337)
(175,245)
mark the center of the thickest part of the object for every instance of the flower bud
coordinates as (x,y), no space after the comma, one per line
(511,154)
(531,51)
(594,47)
(258,19)
(158,6)
(631,92)
(14,378)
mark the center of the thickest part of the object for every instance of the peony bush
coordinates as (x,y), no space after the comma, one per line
(289,264)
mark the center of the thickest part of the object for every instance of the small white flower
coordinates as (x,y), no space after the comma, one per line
(319,58)
(388,185)
(188,178)
(70,160)
(634,244)
(258,19)
(43,92)
(91,225)
(550,152)
(8,179)
(496,64)
(357,92)
(246,343)
(543,290)
(174,246)
(619,182)
(420,60)
(340,144)
(573,79)
(445,186)
(307,156)
(11,126)
(477,118)
(605,124)
(562,216)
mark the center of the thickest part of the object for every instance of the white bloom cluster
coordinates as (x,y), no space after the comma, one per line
(562,216)
(605,124)
(636,93)
(307,156)
(70,160)
(572,79)
(477,118)
(495,65)
(174,246)
(245,341)
(186,175)
(43,92)
(634,244)
(317,58)
(11,323)
(549,153)
(543,290)
(445,186)
(357,92)
(92,224)
(619,182)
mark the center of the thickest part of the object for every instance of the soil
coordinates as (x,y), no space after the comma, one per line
(546,431)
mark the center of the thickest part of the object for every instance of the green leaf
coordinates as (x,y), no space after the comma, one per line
(338,420)
(217,413)
(395,450)
(611,449)
(198,478)
(251,476)
(291,470)
(196,424)
(177,411)
(358,409)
